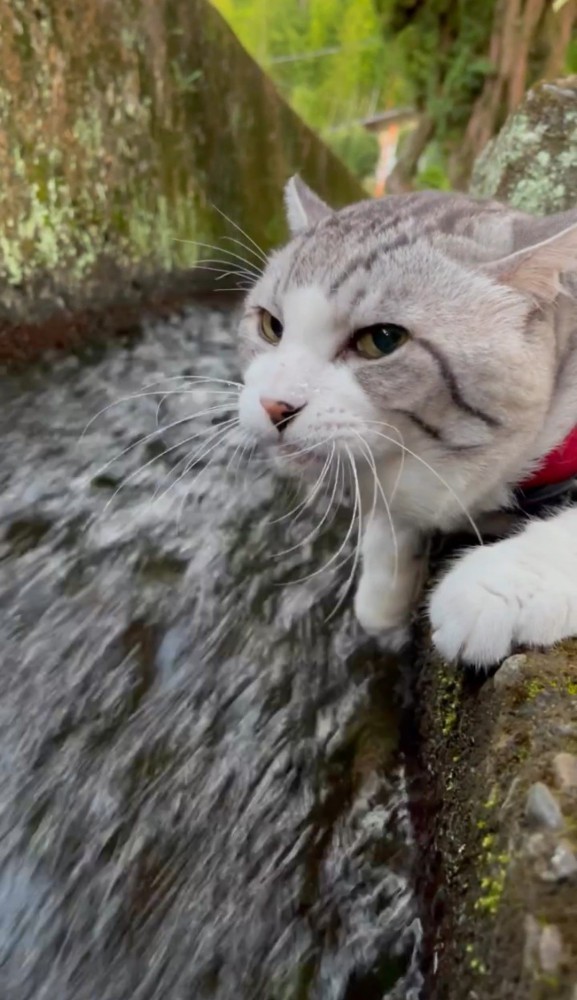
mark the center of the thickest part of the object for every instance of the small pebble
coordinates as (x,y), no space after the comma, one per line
(550,949)
(542,809)
(565,770)
(509,671)
(532,931)
(563,863)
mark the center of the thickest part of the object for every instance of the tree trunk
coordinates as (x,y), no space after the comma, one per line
(402,175)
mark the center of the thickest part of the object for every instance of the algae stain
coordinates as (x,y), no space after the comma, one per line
(448,701)
(492,864)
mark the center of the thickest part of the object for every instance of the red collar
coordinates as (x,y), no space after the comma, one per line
(559,465)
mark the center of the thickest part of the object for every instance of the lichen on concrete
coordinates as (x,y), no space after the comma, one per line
(122,126)
(502,838)
(533,161)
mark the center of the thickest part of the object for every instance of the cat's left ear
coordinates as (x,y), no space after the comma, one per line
(536,270)
(303,206)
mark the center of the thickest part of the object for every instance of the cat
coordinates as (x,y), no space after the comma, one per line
(430,341)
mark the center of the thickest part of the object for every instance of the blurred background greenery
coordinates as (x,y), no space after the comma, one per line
(348,66)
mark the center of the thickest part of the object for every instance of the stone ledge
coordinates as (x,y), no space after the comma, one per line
(506,826)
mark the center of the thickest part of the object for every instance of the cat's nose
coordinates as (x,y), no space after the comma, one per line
(280,413)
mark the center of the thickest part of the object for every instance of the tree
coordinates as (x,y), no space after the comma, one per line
(329,58)
(467,66)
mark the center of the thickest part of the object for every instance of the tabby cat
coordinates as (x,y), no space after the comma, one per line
(428,344)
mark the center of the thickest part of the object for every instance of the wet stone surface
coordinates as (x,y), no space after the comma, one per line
(201,792)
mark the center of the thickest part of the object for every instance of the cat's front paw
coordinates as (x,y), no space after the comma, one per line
(497,598)
(381,615)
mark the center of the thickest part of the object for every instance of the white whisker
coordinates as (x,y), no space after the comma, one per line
(259,256)
(332,559)
(369,458)
(242,232)
(214,440)
(358,509)
(132,475)
(227,430)
(222,250)
(225,272)
(159,381)
(433,472)
(155,433)
(317,527)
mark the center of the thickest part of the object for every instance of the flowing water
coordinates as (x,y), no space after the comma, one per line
(201,788)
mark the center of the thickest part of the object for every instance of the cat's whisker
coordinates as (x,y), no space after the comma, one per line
(221,250)
(357,553)
(334,557)
(317,527)
(227,431)
(213,441)
(223,274)
(243,282)
(339,480)
(259,256)
(155,433)
(159,381)
(433,472)
(209,434)
(369,458)
(240,448)
(307,499)
(242,233)
(188,392)
(227,267)
(132,475)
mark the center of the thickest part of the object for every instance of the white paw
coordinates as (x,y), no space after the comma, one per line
(499,597)
(381,613)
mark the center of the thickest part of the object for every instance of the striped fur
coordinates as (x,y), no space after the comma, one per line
(485,385)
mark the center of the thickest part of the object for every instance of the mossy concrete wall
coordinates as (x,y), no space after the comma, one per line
(532,163)
(500,836)
(122,123)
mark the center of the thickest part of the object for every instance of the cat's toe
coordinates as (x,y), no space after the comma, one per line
(473,620)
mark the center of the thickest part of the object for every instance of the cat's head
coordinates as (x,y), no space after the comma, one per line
(425,318)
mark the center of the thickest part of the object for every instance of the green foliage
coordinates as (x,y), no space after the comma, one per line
(357,148)
(571,57)
(329,58)
(442,49)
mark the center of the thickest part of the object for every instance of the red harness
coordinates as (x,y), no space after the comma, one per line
(558,466)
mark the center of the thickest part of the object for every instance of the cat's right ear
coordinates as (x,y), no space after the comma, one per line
(303,206)
(536,270)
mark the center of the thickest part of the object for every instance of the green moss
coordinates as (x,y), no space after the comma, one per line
(492,865)
(448,701)
(533,161)
(492,885)
(112,156)
(537,685)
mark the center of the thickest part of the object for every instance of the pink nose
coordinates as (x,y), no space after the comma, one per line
(280,413)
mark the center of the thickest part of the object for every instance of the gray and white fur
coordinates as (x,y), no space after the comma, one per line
(439,431)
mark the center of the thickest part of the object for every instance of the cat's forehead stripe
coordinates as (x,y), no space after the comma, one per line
(394,222)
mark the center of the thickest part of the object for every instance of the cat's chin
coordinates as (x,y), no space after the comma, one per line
(297,459)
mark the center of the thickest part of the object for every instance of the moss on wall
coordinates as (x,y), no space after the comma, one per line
(122,123)
(532,163)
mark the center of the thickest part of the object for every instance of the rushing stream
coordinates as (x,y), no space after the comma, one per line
(202,793)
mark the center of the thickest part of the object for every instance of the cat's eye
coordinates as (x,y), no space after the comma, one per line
(377,341)
(270,327)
